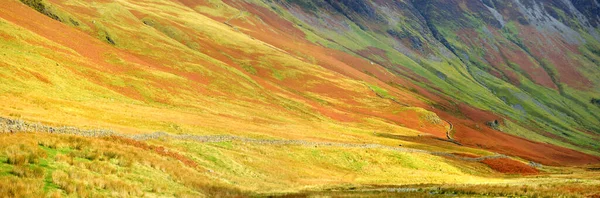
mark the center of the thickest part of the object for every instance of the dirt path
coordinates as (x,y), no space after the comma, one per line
(449,130)
(449,133)
(18,126)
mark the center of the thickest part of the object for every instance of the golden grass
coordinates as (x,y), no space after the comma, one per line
(77,166)
(19,187)
(87,167)
(23,154)
(299,168)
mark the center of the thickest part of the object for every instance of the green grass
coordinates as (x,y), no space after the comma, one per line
(5,168)
(380,91)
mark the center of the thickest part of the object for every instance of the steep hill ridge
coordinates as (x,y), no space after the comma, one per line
(501,78)
(284,72)
(534,62)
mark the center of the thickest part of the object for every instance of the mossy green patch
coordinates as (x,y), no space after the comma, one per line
(226,145)
(380,91)
(249,68)
(5,168)
(353,162)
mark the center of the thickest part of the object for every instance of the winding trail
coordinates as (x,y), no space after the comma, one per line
(18,126)
(449,130)
(449,133)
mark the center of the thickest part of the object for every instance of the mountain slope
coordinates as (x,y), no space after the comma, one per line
(329,79)
(539,72)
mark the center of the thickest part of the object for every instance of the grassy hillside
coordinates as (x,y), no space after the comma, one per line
(473,54)
(254,98)
(54,165)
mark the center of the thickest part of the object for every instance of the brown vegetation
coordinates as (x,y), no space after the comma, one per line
(505,165)
(466,155)
(157,149)
(473,132)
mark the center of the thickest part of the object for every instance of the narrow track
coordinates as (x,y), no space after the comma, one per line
(449,133)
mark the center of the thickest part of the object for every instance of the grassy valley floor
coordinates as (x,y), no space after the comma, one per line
(39,164)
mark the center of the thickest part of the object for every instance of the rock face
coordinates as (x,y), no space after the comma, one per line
(542,56)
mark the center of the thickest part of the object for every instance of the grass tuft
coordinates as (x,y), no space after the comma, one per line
(23,155)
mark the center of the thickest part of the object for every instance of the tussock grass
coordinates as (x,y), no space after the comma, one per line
(19,187)
(23,154)
(86,167)
(28,172)
(115,167)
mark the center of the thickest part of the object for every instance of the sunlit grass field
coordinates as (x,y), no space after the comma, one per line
(54,165)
